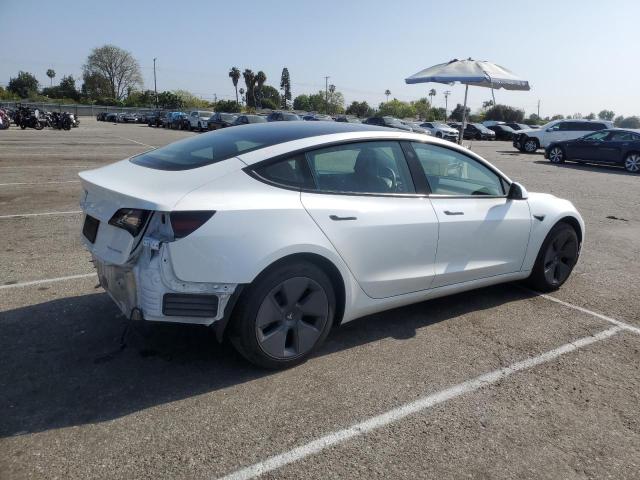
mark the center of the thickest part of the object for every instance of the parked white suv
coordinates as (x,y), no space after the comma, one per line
(198,120)
(441,130)
(532,139)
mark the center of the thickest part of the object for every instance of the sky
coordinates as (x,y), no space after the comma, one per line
(578,56)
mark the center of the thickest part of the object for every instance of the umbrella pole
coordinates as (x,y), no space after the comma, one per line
(464,115)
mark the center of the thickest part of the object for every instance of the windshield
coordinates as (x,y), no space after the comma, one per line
(227,117)
(205,114)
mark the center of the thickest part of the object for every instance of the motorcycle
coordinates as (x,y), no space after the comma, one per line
(29,119)
(5,122)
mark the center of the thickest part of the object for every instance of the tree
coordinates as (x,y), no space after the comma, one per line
(95,87)
(387,92)
(630,122)
(261,77)
(51,73)
(422,107)
(618,121)
(250,82)
(533,119)
(487,104)
(591,116)
(66,89)
(24,85)
(360,109)
(242,94)
(505,113)
(140,99)
(189,100)
(270,97)
(606,115)
(557,117)
(234,74)
(432,93)
(169,100)
(117,67)
(456,114)
(397,108)
(227,106)
(285,85)
(301,102)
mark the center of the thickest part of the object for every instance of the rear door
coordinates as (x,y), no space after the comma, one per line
(589,147)
(365,203)
(482,232)
(611,151)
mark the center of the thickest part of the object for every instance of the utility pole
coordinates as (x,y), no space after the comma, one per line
(155,86)
(326,93)
(538,108)
(446,103)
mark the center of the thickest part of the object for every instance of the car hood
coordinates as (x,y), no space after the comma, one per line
(527,131)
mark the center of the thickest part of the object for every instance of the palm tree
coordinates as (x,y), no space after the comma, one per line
(250,81)
(432,93)
(234,74)
(387,92)
(51,73)
(260,79)
(242,93)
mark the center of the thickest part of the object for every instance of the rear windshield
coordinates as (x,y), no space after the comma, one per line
(213,147)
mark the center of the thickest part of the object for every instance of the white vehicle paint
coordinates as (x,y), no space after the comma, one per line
(397,244)
(441,130)
(559,130)
(198,120)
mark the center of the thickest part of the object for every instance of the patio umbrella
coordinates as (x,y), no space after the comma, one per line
(470,72)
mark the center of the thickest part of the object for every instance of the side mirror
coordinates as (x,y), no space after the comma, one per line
(517,192)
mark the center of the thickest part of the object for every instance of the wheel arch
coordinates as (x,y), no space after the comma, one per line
(322,262)
(573,221)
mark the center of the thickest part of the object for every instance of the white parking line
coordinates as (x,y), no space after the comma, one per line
(19,215)
(134,141)
(417,406)
(619,323)
(47,280)
(38,183)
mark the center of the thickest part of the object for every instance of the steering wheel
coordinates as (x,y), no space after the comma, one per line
(392,176)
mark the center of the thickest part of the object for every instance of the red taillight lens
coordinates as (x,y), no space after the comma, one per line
(185,223)
(130,219)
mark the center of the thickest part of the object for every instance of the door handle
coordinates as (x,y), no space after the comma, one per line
(447,212)
(336,218)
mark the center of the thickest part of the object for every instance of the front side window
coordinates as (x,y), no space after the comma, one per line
(624,137)
(366,167)
(452,173)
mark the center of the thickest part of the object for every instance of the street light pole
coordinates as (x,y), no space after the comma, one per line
(326,93)
(446,103)
(155,86)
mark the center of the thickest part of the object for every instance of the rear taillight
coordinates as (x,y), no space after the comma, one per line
(185,223)
(130,219)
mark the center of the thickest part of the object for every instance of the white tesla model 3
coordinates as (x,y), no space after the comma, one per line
(273,233)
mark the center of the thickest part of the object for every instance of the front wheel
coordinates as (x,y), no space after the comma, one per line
(556,259)
(556,155)
(530,145)
(632,163)
(284,315)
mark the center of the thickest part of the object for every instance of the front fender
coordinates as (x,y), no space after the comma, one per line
(547,210)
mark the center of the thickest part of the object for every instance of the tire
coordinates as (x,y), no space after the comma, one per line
(478,136)
(38,125)
(556,155)
(556,259)
(270,328)
(439,134)
(23,126)
(530,145)
(632,162)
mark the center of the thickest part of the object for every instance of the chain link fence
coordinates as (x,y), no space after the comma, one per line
(77,109)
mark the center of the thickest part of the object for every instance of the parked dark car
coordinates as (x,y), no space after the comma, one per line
(221,120)
(317,117)
(474,131)
(247,119)
(282,117)
(517,126)
(111,117)
(154,119)
(102,116)
(503,132)
(614,146)
(389,122)
(129,117)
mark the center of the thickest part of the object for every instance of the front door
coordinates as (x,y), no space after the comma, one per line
(588,147)
(366,205)
(482,232)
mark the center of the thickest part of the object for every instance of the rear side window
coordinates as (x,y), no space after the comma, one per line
(291,172)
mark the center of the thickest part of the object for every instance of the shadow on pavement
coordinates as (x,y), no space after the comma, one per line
(61,365)
(590,167)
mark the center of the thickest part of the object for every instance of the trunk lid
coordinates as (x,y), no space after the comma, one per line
(124,185)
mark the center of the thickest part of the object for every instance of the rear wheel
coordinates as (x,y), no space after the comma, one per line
(284,315)
(556,258)
(632,163)
(530,145)
(439,134)
(556,155)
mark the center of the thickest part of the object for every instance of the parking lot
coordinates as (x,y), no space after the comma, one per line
(494,383)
